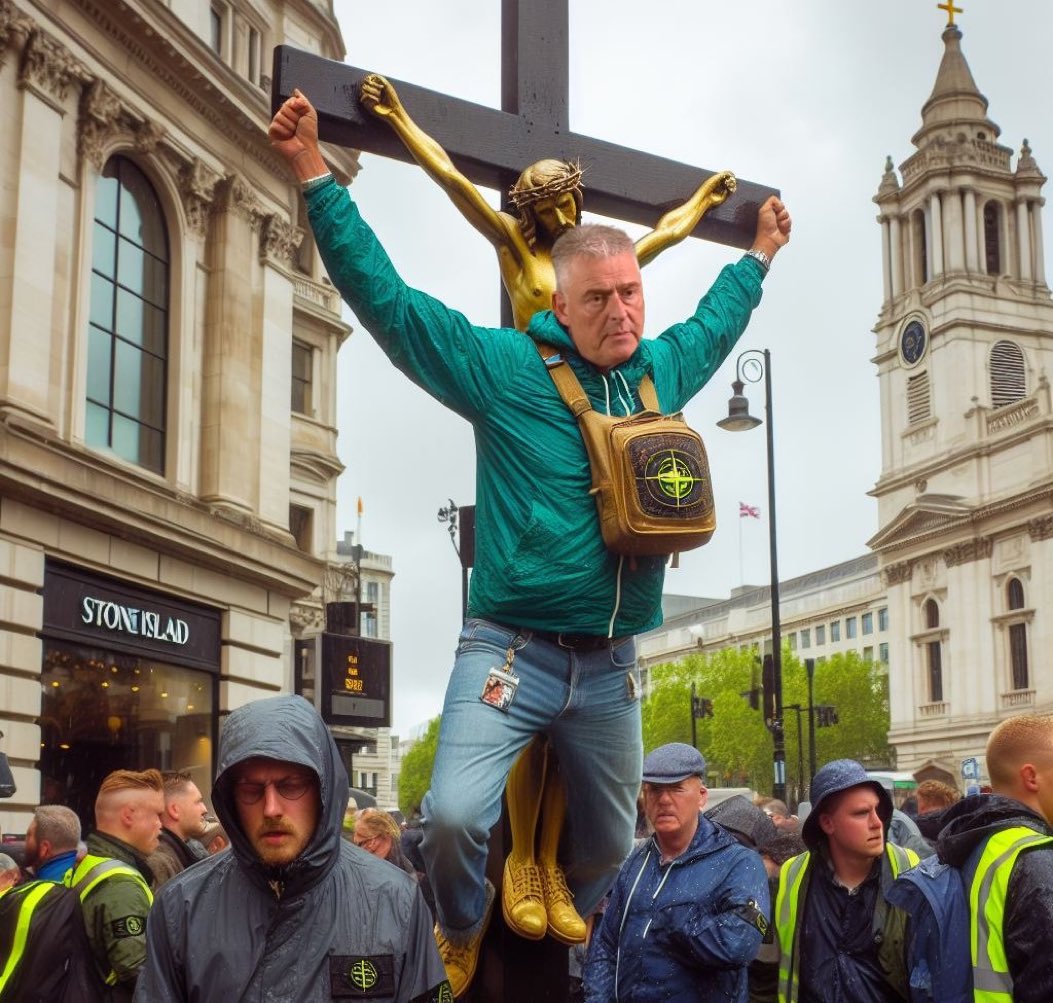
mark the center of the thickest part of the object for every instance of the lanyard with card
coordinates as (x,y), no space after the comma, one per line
(501,684)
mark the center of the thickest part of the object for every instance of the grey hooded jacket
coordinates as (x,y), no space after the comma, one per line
(336,923)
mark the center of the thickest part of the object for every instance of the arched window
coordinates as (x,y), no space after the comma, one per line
(993,238)
(1008,377)
(1017,637)
(934,654)
(921,248)
(128,321)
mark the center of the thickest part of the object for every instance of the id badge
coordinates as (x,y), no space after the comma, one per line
(500,687)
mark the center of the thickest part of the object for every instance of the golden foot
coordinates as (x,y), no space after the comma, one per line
(522,899)
(564,923)
(461,960)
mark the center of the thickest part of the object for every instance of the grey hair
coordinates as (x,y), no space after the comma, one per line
(7,864)
(59,825)
(590,240)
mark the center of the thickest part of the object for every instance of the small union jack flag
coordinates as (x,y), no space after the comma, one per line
(748,511)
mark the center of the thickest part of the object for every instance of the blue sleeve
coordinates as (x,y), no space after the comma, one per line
(463,366)
(726,929)
(688,354)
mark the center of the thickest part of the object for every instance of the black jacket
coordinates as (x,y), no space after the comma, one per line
(56,965)
(1028,921)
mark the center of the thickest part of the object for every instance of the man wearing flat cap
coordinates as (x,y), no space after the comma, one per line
(690,905)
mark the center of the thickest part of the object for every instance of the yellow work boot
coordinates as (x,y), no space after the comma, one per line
(461,960)
(564,923)
(523,900)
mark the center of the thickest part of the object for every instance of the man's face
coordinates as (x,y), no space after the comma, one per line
(555,214)
(853,824)
(602,305)
(31,854)
(672,809)
(278,806)
(186,811)
(143,821)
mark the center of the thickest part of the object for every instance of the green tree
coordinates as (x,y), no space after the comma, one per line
(737,745)
(415,776)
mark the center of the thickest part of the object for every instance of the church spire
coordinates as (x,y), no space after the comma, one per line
(955,104)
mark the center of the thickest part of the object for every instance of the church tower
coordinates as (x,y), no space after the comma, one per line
(965,498)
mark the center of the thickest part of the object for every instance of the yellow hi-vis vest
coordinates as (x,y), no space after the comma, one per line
(787,911)
(992,982)
(31,894)
(87,875)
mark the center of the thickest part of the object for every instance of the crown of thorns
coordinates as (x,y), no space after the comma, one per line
(521,197)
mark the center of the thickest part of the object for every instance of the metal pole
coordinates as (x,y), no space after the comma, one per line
(779,756)
(800,758)
(809,665)
(694,726)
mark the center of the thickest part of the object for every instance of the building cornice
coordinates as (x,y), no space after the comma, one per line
(43,471)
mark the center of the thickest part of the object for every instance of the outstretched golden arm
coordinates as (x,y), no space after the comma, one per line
(381,99)
(678,223)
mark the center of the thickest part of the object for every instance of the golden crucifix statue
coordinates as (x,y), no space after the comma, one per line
(547,199)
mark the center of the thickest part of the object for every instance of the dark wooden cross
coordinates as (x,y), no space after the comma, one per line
(491,148)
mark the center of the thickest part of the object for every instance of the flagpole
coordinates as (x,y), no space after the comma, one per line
(742,573)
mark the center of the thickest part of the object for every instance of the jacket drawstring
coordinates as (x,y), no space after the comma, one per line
(625,916)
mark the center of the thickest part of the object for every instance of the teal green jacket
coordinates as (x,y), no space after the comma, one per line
(540,560)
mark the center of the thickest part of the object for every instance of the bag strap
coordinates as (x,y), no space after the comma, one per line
(569,386)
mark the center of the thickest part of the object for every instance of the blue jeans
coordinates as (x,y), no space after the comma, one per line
(587,703)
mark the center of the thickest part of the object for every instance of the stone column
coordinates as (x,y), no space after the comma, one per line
(972,246)
(896,247)
(1023,238)
(1036,239)
(935,236)
(230,404)
(31,224)
(278,243)
(955,247)
(886,259)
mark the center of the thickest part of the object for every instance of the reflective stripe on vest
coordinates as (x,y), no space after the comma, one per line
(787,902)
(992,982)
(31,896)
(90,871)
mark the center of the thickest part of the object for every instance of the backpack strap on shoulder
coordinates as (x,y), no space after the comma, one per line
(568,385)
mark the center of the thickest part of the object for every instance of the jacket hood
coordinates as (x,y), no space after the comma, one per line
(288,729)
(970,821)
(544,327)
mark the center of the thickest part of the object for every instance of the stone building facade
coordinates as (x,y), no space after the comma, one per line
(167,384)
(964,349)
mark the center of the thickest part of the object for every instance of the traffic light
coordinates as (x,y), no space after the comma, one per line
(702,706)
(825,715)
(768,677)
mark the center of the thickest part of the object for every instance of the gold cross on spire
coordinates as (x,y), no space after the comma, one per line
(951,11)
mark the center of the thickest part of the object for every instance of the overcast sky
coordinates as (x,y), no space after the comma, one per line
(808,97)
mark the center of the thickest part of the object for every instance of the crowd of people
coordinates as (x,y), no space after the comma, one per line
(741,901)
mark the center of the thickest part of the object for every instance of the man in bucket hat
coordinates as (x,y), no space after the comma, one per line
(688,909)
(838,937)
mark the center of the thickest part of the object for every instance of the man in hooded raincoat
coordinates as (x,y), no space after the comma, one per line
(292,911)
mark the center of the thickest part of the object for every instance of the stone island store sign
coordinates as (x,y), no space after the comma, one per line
(79,606)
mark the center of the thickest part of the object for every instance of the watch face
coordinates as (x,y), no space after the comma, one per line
(912,342)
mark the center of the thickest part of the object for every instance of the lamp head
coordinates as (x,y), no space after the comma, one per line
(739,418)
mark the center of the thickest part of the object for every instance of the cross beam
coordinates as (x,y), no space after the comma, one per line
(491,147)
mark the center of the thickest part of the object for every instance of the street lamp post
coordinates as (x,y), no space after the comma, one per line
(752,366)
